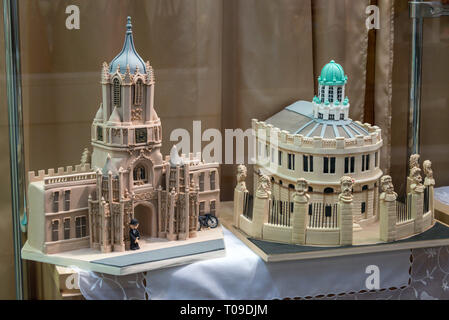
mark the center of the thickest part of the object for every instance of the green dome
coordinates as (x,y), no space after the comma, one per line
(332,75)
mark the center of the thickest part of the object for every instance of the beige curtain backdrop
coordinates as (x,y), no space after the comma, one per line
(223,62)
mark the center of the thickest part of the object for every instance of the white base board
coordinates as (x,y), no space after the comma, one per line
(89,259)
(367,242)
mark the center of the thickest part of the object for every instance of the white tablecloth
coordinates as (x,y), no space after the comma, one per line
(241,274)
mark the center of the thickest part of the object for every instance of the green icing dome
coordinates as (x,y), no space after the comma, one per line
(332,75)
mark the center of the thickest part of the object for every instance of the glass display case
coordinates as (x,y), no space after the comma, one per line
(124,78)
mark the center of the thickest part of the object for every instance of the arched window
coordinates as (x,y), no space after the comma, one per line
(328,190)
(140,175)
(116,100)
(339,93)
(290,186)
(365,187)
(331,94)
(280,182)
(138,92)
(323,90)
(310,189)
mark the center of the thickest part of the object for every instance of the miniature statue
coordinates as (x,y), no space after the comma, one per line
(415,175)
(192,186)
(263,186)
(427,168)
(134,234)
(301,188)
(241,177)
(346,183)
(126,193)
(85,158)
(386,184)
(175,159)
(413,162)
(140,175)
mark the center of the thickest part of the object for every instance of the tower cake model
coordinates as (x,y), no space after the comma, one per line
(317,177)
(93,204)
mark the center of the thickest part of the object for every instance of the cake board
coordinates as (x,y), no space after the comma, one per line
(270,251)
(154,254)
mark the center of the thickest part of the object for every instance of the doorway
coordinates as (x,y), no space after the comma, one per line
(147,220)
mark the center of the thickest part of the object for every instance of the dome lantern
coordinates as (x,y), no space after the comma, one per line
(332,74)
(329,103)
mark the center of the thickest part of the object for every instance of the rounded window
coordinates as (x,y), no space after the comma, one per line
(328,190)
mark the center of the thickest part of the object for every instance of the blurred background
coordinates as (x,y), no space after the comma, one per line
(223,62)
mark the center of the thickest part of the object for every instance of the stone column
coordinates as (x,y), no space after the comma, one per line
(119,245)
(387,210)
(261,206)
(171,215)
(239,194)
(429,182)
(260,214)
(197,207)
(161,217)
(106,224)
(187,201)
(417,199)
(431,204)
(345,211)
(91,220)
(300,209)
(239,197)
(417,209)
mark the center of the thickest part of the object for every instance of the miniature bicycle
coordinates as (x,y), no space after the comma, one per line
(207,220)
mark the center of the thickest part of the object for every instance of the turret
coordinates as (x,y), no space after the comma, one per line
(128,84)
(330,103)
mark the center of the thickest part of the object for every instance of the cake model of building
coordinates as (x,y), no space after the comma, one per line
(92,204)
(317,177)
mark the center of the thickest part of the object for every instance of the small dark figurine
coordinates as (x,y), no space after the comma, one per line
(134,234)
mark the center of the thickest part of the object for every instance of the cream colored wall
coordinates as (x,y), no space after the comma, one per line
(78,196)
(317,176)
(208,194)
(60,217)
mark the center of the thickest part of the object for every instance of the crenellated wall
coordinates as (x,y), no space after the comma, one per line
(81,171)
(297,142)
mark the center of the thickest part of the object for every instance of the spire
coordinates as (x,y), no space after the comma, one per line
(99,114)
(175,159)
(129,26)
(128,55)
(109,166)
(115,117)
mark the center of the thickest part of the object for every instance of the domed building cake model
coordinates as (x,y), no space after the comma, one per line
(317,177)
(92,205)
